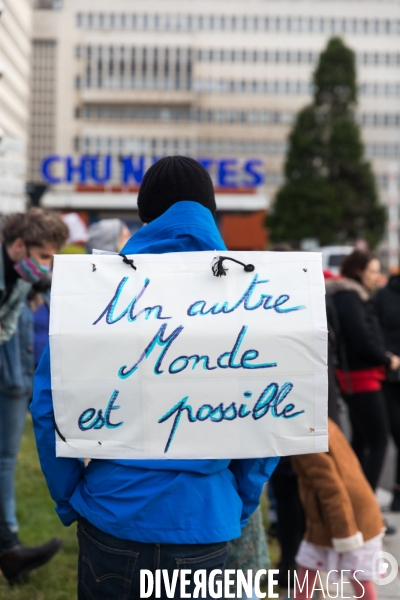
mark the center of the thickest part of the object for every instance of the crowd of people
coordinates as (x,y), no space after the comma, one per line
(364,371)
(204,514)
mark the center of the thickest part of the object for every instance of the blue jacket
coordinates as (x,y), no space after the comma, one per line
(21,353)
(154,501)
(17,358)
(10,307)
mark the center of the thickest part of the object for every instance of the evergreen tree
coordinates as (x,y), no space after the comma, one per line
(329,191)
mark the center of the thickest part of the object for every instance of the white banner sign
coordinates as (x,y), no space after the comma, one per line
(170,361)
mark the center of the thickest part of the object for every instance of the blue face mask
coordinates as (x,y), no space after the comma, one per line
(30,270)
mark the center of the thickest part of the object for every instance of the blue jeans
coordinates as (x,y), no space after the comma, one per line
(109,568)
(12,421)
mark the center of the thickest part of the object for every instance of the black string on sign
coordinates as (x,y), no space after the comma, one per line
(128,261)
(60,435)
(219,269)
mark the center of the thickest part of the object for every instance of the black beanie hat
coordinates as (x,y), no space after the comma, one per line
(173,179)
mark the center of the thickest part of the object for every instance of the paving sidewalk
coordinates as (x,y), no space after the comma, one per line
(391,543)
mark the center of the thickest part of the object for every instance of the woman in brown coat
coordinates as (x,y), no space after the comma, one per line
(344,525)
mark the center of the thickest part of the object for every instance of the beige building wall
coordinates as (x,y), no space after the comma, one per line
(238,71)
(15,32)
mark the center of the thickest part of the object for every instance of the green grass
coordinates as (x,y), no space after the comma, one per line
(39,522)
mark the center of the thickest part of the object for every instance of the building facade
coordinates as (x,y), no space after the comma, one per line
(122,83)
(15,37)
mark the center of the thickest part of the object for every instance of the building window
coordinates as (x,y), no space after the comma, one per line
(79,20)
(166,63)
(155,63)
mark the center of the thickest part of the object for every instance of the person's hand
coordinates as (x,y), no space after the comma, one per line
(394,362)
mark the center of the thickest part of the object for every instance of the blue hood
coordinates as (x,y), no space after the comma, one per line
(185,227)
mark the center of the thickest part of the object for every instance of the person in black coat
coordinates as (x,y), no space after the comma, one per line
(362,359)
(387,304)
